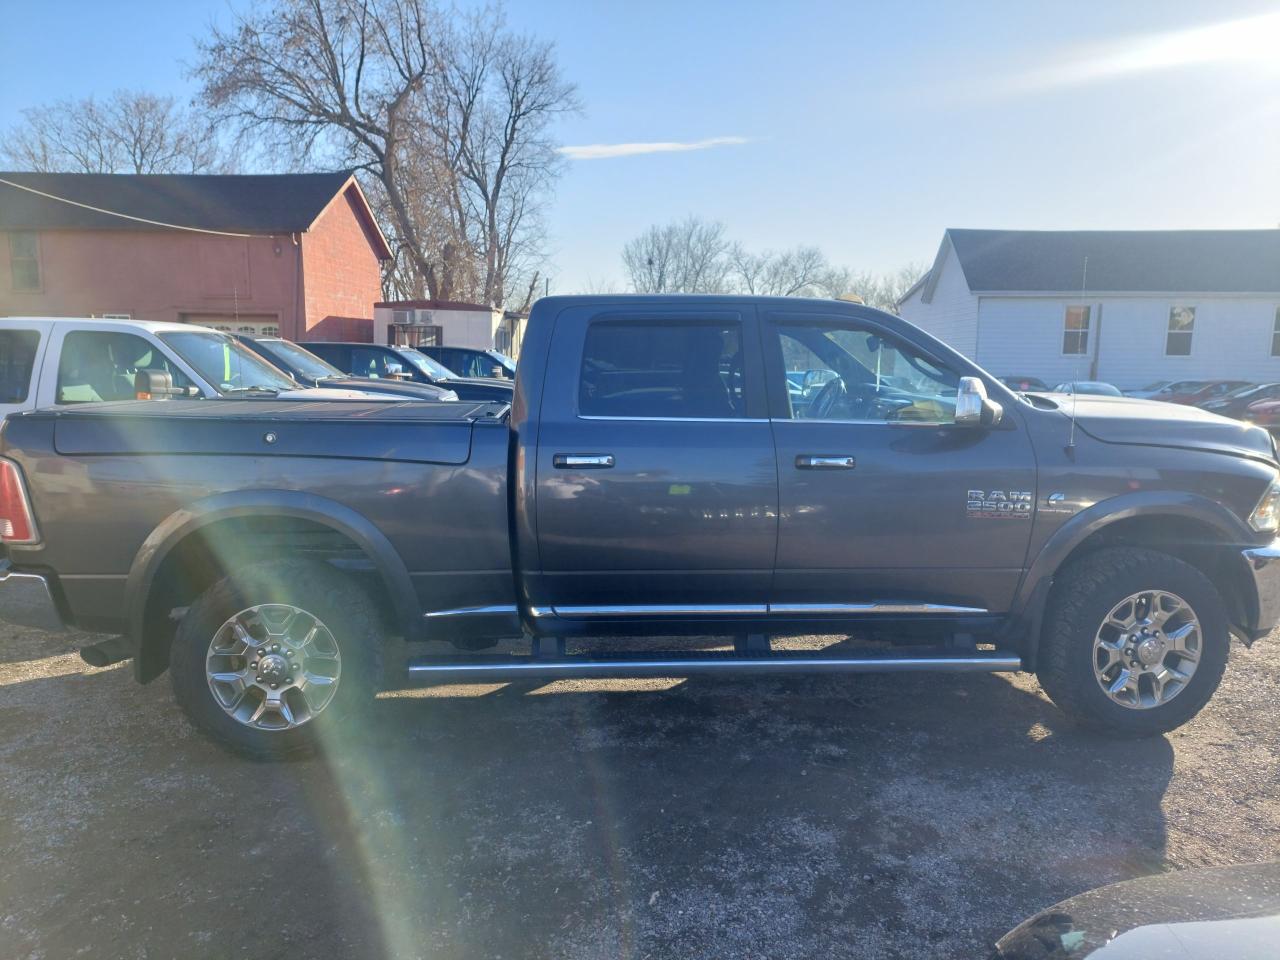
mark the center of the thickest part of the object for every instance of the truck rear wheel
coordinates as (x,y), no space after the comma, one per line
(1135,642)
(276,657)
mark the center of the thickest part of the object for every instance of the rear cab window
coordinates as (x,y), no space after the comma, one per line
(18,350)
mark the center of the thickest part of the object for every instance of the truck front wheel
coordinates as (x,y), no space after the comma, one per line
(276,657)
(1134,643)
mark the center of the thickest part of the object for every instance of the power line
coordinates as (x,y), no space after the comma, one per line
(124,216)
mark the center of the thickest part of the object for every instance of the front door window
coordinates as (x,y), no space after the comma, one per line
(851,373)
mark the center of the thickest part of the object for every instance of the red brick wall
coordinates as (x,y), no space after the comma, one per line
(341,276)
(354,329)
(157,275)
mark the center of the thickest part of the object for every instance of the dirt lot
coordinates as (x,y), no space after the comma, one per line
(873,816)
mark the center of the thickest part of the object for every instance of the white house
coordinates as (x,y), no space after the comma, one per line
(1127,307)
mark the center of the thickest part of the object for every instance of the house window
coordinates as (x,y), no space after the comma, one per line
(1075,331)
(24,261)
(1275,335)
(1182,322)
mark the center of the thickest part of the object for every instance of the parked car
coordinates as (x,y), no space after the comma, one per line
(1091,387)
(54,362)
(471,362)
(652,478)
(310,371)
(1209,390)
(1234,403)
(1149,391)
(1176,388)
(1200,913)
(1264,413)
(395,363)
(1024,384)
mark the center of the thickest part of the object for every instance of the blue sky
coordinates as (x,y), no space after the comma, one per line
(863,128)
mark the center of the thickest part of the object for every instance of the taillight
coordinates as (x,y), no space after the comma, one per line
(16,523)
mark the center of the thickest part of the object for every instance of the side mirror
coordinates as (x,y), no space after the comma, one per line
(497,372)
(155,385)
(973,408)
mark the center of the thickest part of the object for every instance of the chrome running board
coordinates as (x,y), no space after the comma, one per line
(678,663)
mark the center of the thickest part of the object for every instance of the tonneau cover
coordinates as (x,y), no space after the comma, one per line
(414,432)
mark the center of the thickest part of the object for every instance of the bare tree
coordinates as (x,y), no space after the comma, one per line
(690,256)
(800,272)
(448,117)
(882,291)
(127,132)
(694,256)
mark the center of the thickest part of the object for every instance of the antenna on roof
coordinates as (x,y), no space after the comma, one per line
(1070,448)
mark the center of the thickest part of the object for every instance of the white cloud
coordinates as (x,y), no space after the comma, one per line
(602,151)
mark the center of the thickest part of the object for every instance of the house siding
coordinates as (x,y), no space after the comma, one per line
(952,314)
(1232,339)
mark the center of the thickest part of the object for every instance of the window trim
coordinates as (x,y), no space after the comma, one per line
(1088,329)
(1168,319)
(37,259)
(697,318)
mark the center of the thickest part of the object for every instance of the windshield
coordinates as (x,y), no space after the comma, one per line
(304,360)
(227,364)
(424,364)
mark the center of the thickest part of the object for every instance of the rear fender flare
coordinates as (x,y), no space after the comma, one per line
(151,556)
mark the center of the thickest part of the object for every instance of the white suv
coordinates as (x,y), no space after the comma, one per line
(55,361)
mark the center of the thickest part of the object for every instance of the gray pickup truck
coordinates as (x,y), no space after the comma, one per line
(676,467)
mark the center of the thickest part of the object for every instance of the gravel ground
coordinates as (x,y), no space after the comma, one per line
(869,816)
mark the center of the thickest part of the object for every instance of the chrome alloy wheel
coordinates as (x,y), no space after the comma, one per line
(1147,649)
(273,666)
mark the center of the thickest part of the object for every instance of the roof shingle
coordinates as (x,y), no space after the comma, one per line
(267,203)
(1120,261)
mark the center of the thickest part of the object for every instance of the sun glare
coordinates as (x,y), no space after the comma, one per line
(1254,41)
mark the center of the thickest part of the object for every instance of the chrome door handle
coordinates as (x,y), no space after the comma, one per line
(811,461)
(582,461)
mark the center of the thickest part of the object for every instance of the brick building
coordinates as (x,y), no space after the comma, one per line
(294,254)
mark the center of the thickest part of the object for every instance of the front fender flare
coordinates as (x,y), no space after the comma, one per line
(180,524)
(1033,591)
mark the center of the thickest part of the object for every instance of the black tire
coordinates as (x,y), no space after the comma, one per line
(1083,596)
(342,605)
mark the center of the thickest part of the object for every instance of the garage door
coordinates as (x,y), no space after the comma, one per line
(255,325)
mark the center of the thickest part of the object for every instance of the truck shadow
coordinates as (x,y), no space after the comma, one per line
(805,816)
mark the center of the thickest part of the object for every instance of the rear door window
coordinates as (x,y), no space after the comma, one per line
(100,365)
(653,369)
(17,360)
